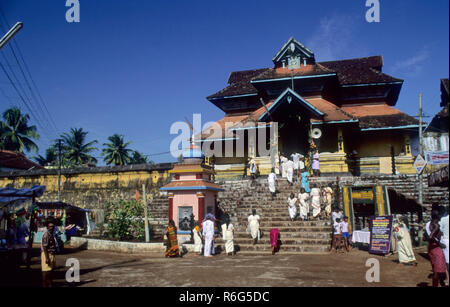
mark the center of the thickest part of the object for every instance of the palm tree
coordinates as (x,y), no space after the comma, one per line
(15,134)
(75,148)
(116,151)
(50,158)
(139,158)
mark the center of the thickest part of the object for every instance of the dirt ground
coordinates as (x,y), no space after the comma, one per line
(102,269)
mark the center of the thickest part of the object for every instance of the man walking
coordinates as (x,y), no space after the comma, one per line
(208,235)
(48,250)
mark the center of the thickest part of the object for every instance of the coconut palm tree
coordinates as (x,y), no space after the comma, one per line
(75,148)
(15,134)
(139,158)
(50,158)
(116,151)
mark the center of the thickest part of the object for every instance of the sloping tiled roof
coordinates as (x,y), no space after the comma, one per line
(309,70)
(16,160)
(379,116)
(331,111)
(360,71)
(352,71)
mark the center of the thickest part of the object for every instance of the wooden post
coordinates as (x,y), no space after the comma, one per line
(147,234)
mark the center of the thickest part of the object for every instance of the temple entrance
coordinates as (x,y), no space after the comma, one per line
(294,135)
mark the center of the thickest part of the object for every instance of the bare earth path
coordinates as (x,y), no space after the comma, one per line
(327,270)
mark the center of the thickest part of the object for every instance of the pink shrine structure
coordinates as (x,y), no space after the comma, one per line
(192,190)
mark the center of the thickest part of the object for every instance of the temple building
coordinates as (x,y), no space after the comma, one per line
(343,108)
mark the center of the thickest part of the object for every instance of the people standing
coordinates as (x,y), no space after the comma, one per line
(208,235)
(328,198)
(272,179)
(290,171)
(337,235)
(48,251)
(197,239)
(315,200)
(228,235)
(315,163)
(253,225)
(292,206)
(304,204)
(346,234)
(172,249)
(435,252)
(403,243)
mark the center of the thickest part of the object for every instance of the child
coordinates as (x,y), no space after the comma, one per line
(345,234)
(337,234)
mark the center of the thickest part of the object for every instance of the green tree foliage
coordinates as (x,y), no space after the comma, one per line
(125,220)
(139,158)
(50,158)
(76,149)
(116,151)
(15,133)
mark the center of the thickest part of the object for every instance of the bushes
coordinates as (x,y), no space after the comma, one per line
(125,220)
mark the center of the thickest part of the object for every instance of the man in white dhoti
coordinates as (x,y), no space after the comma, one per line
(328,197)
(283,160)
(197,239)
(315,200)
(296,160)
(304,204)
(290,172)
(253,170)
(443,224)
(292,206)
(404,246)
(272,179)
(228,235)
(208,235)
(253,225)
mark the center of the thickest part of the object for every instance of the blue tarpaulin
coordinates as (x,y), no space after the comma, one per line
(10,196)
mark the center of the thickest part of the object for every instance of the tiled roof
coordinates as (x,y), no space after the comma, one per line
(360,71)
(16,160)
(332,112)
(352,71)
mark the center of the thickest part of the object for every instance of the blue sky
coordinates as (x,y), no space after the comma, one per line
(134,67)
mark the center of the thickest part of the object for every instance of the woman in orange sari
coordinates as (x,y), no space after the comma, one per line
(172,240)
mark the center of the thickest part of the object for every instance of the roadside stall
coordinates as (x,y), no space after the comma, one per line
(18,216)
(71,220)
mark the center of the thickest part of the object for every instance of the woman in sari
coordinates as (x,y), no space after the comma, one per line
(435,252)
(315,201)
(305,181)
(404,246)
(304,204)
(198,245)
(172,240)
(275,240)
(292,206)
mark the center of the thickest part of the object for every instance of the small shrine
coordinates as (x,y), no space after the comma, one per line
(191,190)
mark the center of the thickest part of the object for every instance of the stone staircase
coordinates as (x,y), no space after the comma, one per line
(238,200)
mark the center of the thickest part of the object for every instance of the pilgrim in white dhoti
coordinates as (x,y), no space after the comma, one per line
(228,234)
(304,204)
(290,171)
(328,199)
(315,201)
(197,240)
(253,224)
(272,178)
(404,246)
(292,206)
(208,234)
(283,160)
(443,224)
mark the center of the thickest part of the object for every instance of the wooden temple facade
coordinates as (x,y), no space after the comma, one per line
(349,104)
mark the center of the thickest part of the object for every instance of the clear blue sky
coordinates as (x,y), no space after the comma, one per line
(134,67)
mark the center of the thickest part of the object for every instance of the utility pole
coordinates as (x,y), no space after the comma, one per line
(10,34)
(147,234)
(420,149)
(59,170)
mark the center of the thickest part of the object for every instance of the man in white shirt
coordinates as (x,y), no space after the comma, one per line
(290,172)
(296,160)
(337,234)
(272,178)
(336,214)
(208,235)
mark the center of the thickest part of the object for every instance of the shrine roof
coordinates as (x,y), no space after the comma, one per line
(302,71)
(191,185)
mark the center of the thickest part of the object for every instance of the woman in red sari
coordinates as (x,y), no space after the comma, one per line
(275,240)
(172,240)
(435,253)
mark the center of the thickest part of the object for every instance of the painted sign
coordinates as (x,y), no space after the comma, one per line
(419,164)
(436,157)
(439,178)
(380,234)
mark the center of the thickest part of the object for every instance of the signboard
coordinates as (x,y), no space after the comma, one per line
(419,164)
(184,218)
(436,157)
(380,234)
(439,178)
